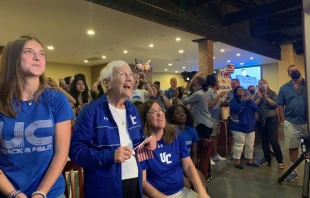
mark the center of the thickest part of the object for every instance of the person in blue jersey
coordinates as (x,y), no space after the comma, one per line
(182,118)
(242,125)
(34,125)
(163,174)
(105,133)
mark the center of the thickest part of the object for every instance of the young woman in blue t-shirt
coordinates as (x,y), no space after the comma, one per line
(163,174)
(182,118)
(34,125)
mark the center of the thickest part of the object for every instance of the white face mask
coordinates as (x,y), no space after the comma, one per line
(265,86)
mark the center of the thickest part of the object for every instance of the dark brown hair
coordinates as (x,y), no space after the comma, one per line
(170,131)
(12,78)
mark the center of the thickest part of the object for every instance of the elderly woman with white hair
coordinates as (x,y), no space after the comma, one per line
(105,133)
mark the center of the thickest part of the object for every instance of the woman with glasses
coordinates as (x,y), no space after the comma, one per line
(105,134)
(163,174)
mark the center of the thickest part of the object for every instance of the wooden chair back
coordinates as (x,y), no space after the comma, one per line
(70,167)
(205,147)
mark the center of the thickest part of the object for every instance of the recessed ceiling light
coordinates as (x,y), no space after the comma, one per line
(50,47)
(241,63)
(170,64)
(90,32)
(165,69)
(228,61)
(125,51)
(222,50)
(104,57)
(178,39)
(251,58)
(213,57)
(183,67)
(181,51)
(85,61)
(151,45)
(176,71)
(238,54)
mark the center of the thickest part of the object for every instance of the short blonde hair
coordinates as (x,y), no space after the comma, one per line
(108,71)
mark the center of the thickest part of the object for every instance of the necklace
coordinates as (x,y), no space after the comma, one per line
(30,102)
(118,115)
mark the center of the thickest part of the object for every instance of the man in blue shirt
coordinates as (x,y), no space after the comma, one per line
(292,96)
(170,93)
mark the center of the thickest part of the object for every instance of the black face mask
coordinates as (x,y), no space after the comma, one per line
(295,74)
(252,91)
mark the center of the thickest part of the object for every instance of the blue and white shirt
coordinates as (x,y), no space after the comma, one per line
(164,171)
(170,93)
(27,141)
(190,136)
(94,141)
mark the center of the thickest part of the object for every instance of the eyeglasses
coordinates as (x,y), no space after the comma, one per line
(156,112)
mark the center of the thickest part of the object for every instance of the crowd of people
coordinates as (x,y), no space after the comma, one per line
(105,127)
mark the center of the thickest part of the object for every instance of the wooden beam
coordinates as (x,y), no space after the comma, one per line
(161,11)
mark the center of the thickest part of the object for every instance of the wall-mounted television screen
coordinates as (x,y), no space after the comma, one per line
(247,76)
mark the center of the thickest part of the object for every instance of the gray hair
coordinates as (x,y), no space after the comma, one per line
(107,72)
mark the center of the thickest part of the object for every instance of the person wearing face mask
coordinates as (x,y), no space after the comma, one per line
(292,96)
(267,123)
(251,91)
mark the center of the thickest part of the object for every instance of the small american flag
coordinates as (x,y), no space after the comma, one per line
(142,153)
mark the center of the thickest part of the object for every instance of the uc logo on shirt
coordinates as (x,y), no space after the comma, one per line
(17,144)
(165,158)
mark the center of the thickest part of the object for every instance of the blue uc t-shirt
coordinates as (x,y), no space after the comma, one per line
(190,136)
(164,171)
(27,142)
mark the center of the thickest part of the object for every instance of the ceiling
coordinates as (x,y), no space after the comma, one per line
(63,24)
(273,22)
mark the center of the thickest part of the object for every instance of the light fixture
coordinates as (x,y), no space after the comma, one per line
(241,63)
(176,71)
(183,67)
(228,61)
(165,69)
(125,51)
(181,51)
(50,47)
(178,39)
(222,50)
(151,45)
(85,61)
(213,57)
(170,64)
(238,54)
(104,57)
(90,32)
(251,58)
